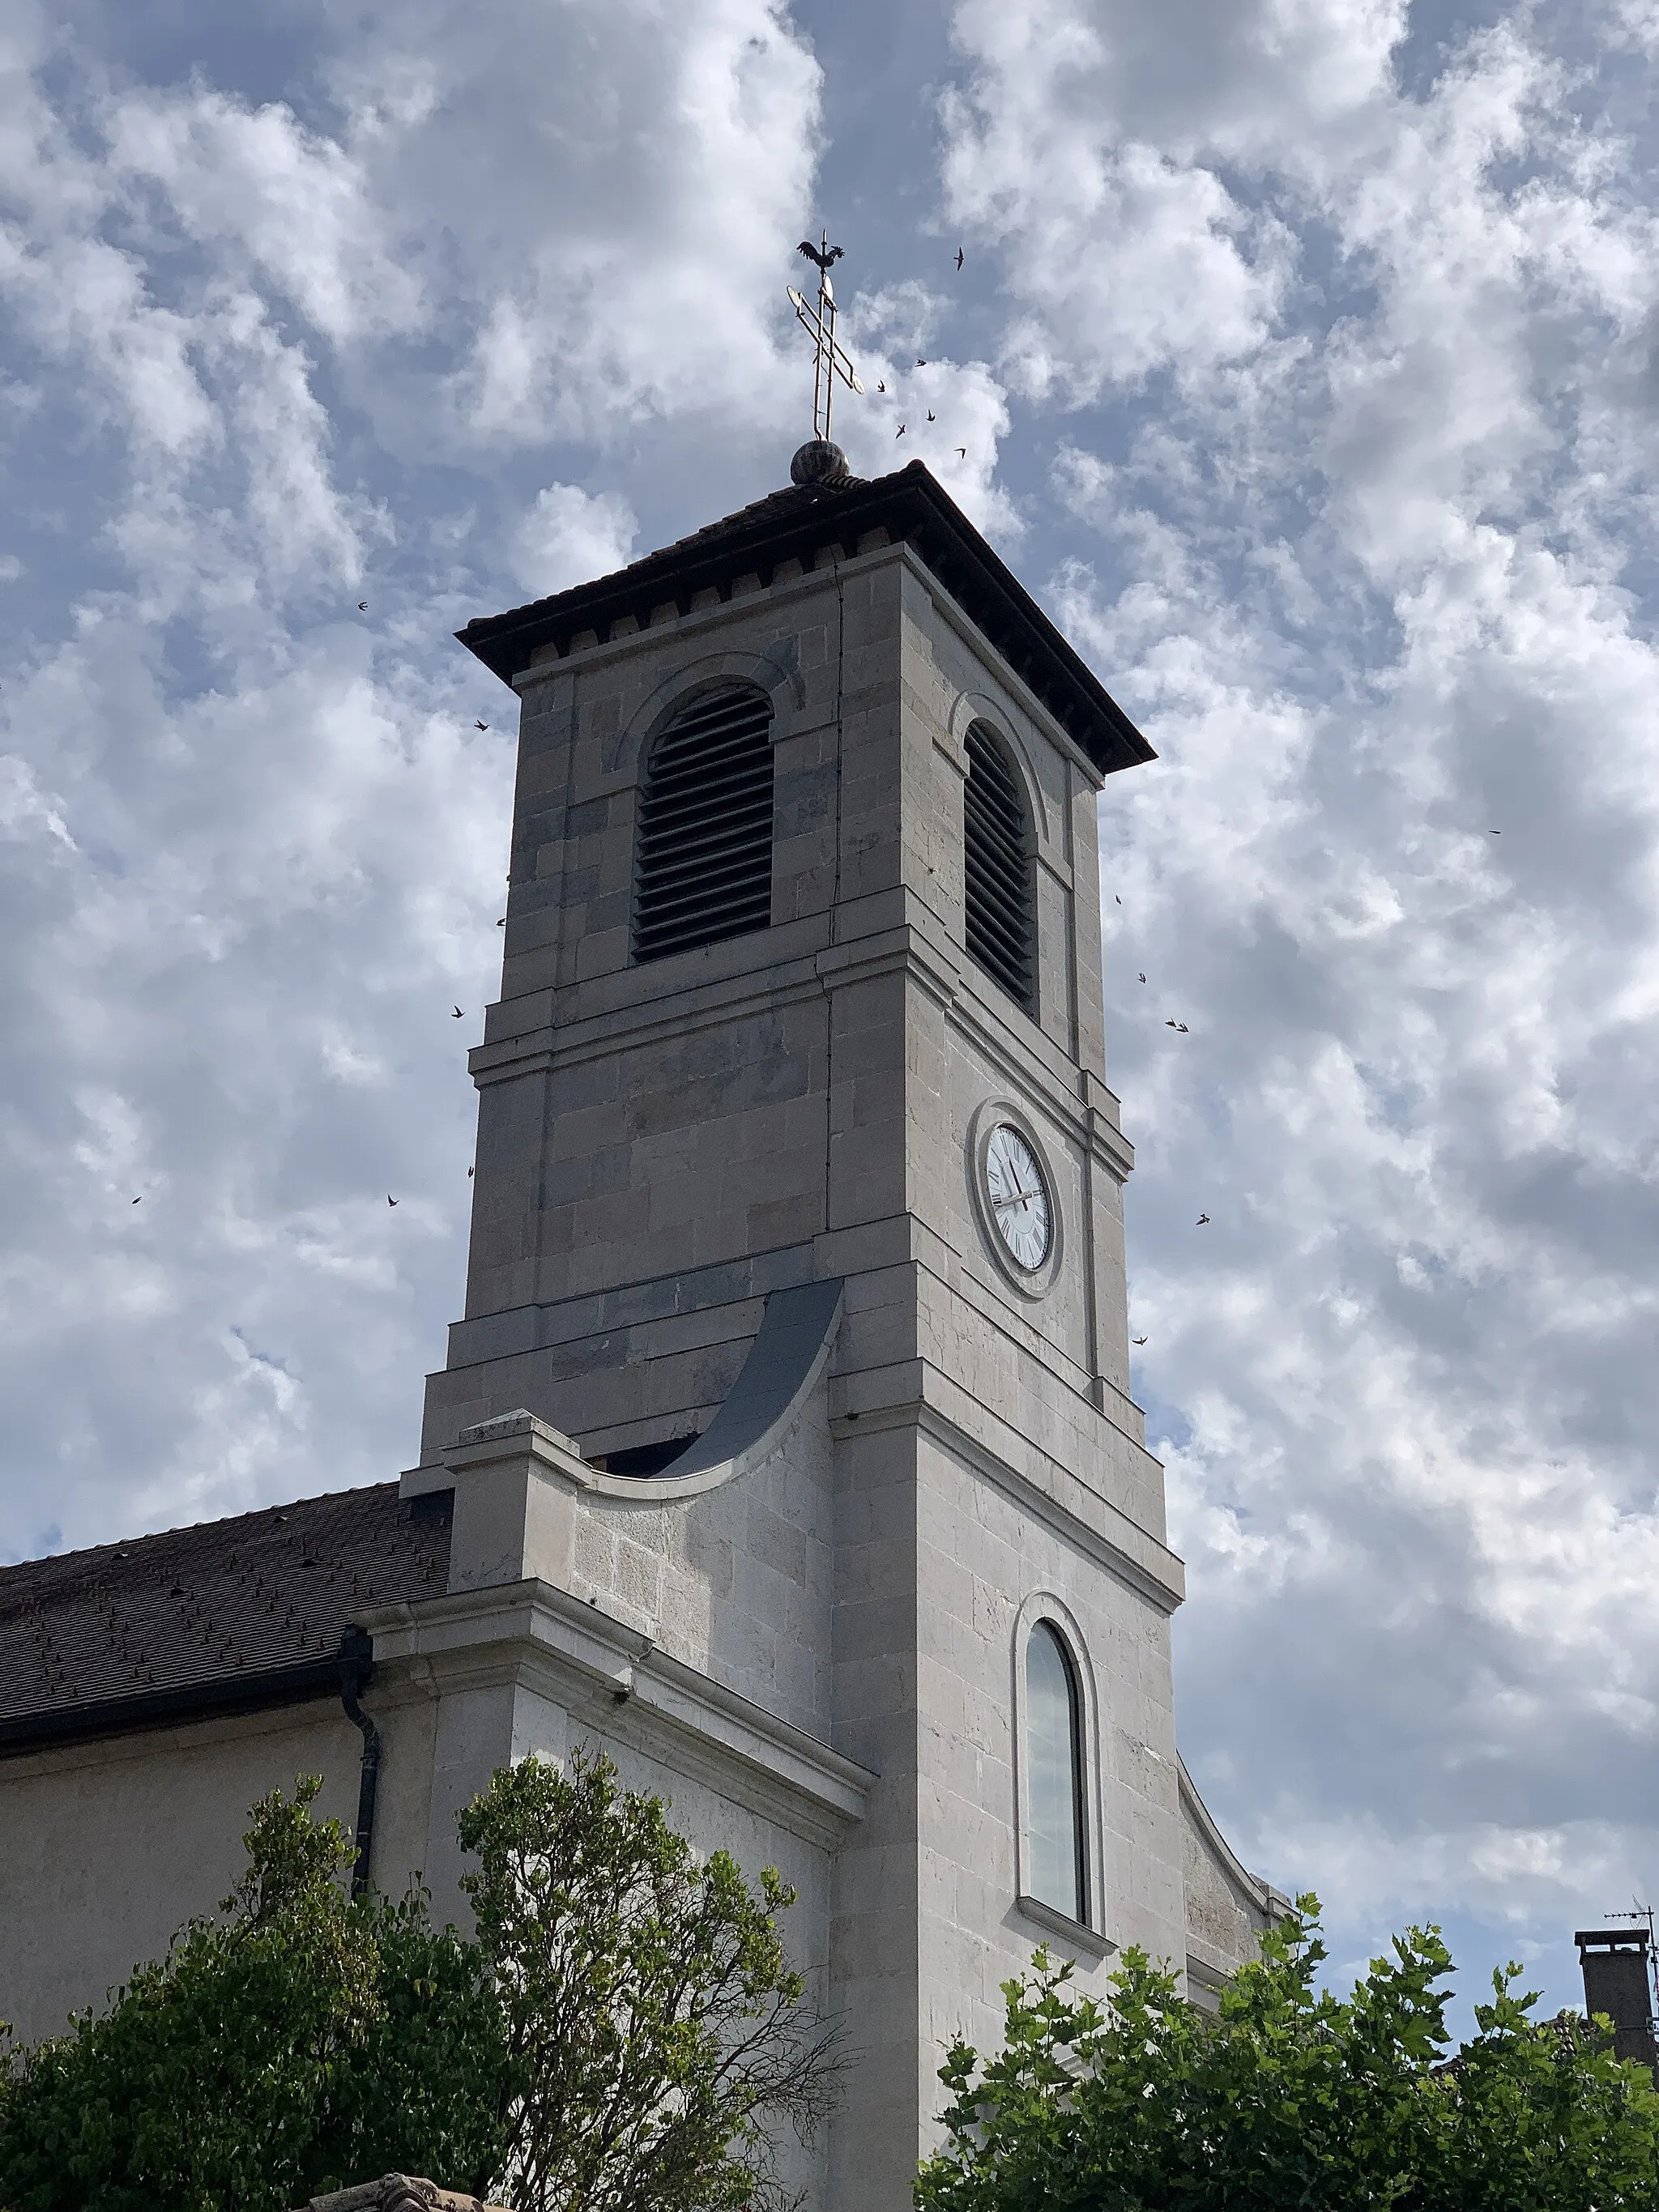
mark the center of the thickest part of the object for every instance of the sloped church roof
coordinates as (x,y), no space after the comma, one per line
(224,1617)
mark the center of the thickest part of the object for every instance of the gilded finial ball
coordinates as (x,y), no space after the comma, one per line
(819,462)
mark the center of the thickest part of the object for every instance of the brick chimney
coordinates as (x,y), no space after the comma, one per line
(1618,1983)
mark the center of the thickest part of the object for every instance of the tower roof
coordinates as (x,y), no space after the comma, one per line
(911,506)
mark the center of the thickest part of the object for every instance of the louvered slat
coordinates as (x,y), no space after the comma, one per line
(1001,893)
(702,867)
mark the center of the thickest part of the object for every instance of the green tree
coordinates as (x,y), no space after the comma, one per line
(657,2032)
(620,2032)
(284,2047)
(1292,2097)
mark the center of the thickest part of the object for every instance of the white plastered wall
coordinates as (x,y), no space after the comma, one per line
(108,1847)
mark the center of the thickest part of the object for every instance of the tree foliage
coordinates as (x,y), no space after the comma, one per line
(656,2030)
(618,2030)
(272,2051)
(1292,2097)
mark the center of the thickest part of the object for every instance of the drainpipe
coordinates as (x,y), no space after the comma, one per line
(357,1665)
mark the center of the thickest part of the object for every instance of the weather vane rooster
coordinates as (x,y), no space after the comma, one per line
(818,320)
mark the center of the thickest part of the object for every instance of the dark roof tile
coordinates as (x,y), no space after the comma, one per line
(220,1606)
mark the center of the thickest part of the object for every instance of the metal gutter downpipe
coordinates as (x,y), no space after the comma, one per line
(357,1665)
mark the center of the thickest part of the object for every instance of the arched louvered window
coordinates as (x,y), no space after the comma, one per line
(999,882)
(1057,1868)
(703,863)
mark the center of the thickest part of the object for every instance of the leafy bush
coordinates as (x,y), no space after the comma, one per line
(617,2033)
(652,2021)
(1292,2097)
(266,2056)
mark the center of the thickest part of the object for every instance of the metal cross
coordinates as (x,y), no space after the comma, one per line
(818,321)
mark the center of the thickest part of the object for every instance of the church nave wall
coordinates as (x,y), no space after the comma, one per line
(109,1846)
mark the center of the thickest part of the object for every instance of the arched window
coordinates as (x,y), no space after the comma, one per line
(1000,888)
(1057,1861)
(702,867)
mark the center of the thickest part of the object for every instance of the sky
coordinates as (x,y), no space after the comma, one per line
(1305,354)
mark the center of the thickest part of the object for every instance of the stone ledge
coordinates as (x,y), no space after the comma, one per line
(600,1669)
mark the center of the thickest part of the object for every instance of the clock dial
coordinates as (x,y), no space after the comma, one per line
(1019,1197)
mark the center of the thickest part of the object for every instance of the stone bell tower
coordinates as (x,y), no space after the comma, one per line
(788,1424)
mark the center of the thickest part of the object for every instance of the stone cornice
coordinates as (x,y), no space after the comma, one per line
(601,1670)
(910,948)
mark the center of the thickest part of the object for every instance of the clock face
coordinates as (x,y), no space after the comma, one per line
(1019,1199)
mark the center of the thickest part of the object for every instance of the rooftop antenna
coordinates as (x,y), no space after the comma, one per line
(1644,1915)
(818,321)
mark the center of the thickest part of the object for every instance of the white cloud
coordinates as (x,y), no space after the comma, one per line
(261,352)
(257,842)
(570,535)
(25,808)
(1127,258)
(1370,572)
(278,199)
(618,246)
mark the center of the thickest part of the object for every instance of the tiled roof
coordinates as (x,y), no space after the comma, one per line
(776,507)
(799,523)
(217,1614)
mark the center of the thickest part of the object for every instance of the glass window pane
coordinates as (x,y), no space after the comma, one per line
(1052,1775)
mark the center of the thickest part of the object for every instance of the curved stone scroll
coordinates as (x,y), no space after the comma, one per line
(784,1361)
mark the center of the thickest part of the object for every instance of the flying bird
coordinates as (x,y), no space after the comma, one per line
(1200,1221)
(1115,897)
(502,923)
(961,452)
(458,1010)
(390,1200)
(1137,1339)
(921,361)
(480,726)
(1172,1024)
(899,433)
(139,1200)
(469,1175)
(880,387)
(958,258)
(1496,833)
(931,417)
(1141,973)
(362,606)
(824,260)
(1183,1028)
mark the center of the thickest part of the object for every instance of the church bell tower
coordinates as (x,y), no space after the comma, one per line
(788,1423)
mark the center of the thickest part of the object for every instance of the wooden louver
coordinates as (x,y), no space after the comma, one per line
(703,859)
(1001,904)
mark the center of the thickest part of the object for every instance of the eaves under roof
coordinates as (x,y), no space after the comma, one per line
(912,509)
